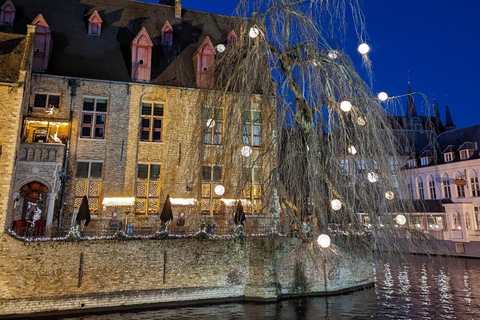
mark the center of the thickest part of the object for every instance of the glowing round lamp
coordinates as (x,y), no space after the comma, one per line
(332,55)
(253,33)
(361,121)
(372,177)
(345,106)
(352,150)
(389,195)
(401,220)
(220,190)
(382,96)
(323,241)
(246,151)
(210,123)
(363,48)
(336,204)
(221,47)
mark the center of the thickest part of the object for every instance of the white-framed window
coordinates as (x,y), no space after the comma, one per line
(448,157)
(148,188)
(421,192)
(252,128)
(252,190)
(94,117)
(475,186)
(412,163)
(213,118)
(476,215)
(460,191)
(212,176)
(44,100)
(88,183)
(447,193)
(433,192)
(456,223)
(465,154)
(424,161)
(410,188)
(152,122)
(468,224)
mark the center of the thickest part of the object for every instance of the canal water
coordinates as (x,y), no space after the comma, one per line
(418,288)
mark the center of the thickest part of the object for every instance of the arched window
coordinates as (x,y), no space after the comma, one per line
(421,192)
(7,13)
(410,188)
(141,56)
(42,44)
(167,33)
(95,24)
(232,37)
(447,193)
(474,183)
(203,60)
(456,223)
(460,186)
(431,187)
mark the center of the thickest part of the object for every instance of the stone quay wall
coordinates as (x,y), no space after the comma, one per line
(41,278)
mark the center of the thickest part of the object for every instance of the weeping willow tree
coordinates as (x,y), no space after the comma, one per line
(299,132)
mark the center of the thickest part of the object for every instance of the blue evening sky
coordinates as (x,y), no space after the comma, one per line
(435,43)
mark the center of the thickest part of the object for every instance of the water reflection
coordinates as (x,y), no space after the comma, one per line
(421,288)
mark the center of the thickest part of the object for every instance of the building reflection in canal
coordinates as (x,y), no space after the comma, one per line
(418,288)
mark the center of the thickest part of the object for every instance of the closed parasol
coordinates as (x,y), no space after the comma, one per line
(167,213)
(239,214)
(83,212)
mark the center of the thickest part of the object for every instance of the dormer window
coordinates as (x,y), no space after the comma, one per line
(467,150)
(167,33)
(203,60)
(424,161)
(141,56)
(42,44)
(412,163)
(7,13)
(95,24)
(232,38)
(426,158)
(448,157)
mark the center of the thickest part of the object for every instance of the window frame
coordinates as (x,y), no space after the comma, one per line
(447,192)
(213,135)
(251,122)
(448,157)
(152,118)
(89,179)
(475,187)
(432,189)
(47,100)
(94,125)
(151,201)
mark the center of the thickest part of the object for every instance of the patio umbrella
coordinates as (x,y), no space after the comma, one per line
(167,210)
(83,212)
(239,214)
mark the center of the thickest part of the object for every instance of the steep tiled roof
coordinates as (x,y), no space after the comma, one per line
(12,48)
(108,56)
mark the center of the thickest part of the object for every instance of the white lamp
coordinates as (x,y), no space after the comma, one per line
(323,241)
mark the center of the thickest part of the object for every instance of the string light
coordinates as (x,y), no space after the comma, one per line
(246,151)
(324,241)
(210,123)
(333,55)
(220,190)
(336,204)
(352,150)
(372,177)
(382,96)
(389,195)
(346,106)
(118,202)
(253,33)
(401,220)
(363,48)
(220,47)
(361,121)
(183,201)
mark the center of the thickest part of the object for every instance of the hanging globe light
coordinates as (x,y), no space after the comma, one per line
(323,241)
(332,55)
(210,123)
(352,150)
(246,151)
(363,48)
(345,106)
(401,220)
(220,47)
(253,33)
(336,204)
(389,195)
(372,177)
(361,121)
(219,190)
(382,96)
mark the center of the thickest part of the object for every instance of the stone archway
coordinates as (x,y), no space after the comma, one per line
(33,194)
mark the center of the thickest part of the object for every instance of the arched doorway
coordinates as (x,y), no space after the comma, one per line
(32,194)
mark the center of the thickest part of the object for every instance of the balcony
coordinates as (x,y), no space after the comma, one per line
(42,152)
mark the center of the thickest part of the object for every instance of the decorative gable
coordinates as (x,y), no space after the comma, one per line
(203,59)
(7,13)
(141,56)
(42,44)
(95,24)
(167,33)
(232,37)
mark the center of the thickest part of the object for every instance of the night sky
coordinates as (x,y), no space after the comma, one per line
(434,43)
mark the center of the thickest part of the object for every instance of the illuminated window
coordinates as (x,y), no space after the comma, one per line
(152,122)
(252,128)
(94,118)
(211,177)
(148,188)
(88,183)
(456,223)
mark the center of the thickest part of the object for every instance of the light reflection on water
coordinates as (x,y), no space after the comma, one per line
(421,288)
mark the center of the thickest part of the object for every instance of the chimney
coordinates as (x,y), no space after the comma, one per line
(178,8)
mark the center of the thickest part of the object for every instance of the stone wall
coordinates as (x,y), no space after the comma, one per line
(43,277)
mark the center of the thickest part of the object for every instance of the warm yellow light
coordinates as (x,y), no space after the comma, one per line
(389,195)
(382,96)
(323,241)
(345,106)
(361,121)
(233,202)
(118,202)
(183,201)
(47,122)
(364,48)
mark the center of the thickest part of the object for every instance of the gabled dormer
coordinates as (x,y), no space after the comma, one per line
(412,161)
(167,33)
(449,154)
(141,56)
(42,44)
(467,149)
(95,24)
(203,60)
(7,13)
(426,158)
(232,37)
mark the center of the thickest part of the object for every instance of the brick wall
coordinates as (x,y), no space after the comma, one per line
(43,277)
